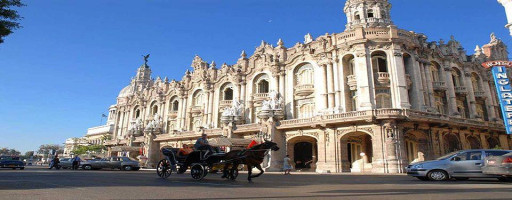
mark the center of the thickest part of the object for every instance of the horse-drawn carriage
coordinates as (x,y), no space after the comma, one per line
(228,162)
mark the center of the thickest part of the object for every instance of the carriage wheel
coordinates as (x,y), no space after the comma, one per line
(233,174)
(197,172)
(164,168)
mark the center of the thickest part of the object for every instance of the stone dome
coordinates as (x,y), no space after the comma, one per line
(126,91)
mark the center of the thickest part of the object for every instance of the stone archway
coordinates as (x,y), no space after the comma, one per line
(473,142)
(416,146)
(451,143)
(493,142)
(303,151)
(356,152)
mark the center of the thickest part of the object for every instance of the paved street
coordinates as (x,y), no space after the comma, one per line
(38,183)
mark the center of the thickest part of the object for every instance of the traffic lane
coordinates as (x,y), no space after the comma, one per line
(143,184)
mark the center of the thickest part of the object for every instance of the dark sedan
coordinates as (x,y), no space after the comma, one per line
(499,165)
(11,162)
(122,163)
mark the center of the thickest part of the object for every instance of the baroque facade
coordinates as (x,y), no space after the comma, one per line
(370,99)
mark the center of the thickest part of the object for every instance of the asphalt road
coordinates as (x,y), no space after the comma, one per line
(38,183)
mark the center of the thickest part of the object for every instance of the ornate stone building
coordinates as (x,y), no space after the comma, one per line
(372,98)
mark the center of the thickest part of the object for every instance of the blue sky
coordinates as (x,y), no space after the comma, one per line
(67,64)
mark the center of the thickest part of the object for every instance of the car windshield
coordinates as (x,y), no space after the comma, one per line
(128,159)
(447,155)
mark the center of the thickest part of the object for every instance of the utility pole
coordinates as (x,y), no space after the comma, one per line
(508,10)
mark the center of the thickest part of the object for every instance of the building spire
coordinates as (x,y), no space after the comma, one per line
(367,13)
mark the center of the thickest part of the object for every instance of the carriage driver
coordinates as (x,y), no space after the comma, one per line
(202,144)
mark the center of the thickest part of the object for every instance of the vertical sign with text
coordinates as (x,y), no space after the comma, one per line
(504,92)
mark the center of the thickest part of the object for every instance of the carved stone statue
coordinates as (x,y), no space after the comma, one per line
(236,109)
(274,102)
(493,38)
(156,123)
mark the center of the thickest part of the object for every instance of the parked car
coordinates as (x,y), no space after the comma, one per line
(66,163)
(122,163)
(499,165)
(11,162)
(459,165)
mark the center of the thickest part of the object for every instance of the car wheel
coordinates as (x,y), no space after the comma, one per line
(127,168)
(461,179)
(423,178)
(87,167)
(437,175)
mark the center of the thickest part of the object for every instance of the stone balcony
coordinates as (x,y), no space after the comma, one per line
(225,103)
(304,89)
(480,94)
(352,82)
(382,78)
(439,85)
(259,97)
(173,114)
(461,90)
(196,110)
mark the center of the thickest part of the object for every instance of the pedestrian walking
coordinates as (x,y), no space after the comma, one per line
(55,162)
(76,162)
(287,166)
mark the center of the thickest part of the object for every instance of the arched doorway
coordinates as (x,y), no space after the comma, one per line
(356,152)
(416,146)
(303,152)
(451,143)
(493,142)
(474,143)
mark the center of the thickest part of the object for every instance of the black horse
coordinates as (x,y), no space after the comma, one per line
(252,157)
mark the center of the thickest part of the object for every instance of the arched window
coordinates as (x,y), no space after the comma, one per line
(370,13)
(379,62)
(198,98)
(154,110)
(435,73)
(263,86)
(383,101)
(456,77)
(357,16)
(304,75)
(439,105)
(175,105)
(228,94)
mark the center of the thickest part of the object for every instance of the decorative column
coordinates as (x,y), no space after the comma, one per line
(470,98)
(429,84)
(210,108)
(504,141)
(463,141)
(489,100)
(417,89)
(450,92)
(364,78)
(330,85)
(322,85)
(326,151)
(206,107)
(483,141)
(399,92)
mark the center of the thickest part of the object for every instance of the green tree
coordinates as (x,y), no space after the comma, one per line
(9,152)
(47,148)
(8,17)
(28,154)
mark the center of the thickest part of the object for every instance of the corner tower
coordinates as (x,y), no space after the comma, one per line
(367,13)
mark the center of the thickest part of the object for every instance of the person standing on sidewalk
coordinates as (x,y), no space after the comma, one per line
(76,162)
(287,166)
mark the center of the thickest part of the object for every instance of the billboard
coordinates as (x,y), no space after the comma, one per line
(504,90)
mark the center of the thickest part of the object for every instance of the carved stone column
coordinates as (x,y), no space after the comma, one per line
(322,88)
(210,108)
(463,141)
(450,92)
(326,151)
(489,101)
(470,98)
(330,85)
(483,141)
(399,92)
(418,89)
(504,141)
(364,78)
(276,157)
(152,148)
